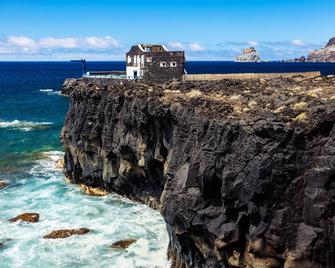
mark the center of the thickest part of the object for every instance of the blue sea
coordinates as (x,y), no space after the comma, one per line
(32,112)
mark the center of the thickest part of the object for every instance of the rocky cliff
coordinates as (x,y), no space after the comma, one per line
(242,171)
(249,55)
(326,54)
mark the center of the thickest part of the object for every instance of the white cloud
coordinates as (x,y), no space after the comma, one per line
(108,48)
(52,42)
(97,42)
(298,43)
(253,43)
(21,47)
(25,43)
(195,47)
(21,41)
(176,45)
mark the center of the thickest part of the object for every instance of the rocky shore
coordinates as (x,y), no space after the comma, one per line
(242,171)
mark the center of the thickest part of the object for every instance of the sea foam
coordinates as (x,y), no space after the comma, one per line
(61,205)
(49,91)
(24,125)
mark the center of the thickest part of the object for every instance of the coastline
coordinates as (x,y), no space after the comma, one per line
(206,156)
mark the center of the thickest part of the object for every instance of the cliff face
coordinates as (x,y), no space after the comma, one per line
(326,54)
(249,55)
(242,171)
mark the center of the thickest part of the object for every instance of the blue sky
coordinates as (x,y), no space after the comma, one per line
(206,30)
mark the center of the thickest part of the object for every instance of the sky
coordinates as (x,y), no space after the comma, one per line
(206,30)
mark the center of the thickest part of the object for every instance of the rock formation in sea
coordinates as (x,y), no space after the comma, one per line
(3,184)
(64,233)
(242,171)
(26,217)
(123,244)
(249,55)
(326,54)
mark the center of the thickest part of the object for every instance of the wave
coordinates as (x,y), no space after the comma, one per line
(62,205)
(50,91)
(24,125)
(47,164)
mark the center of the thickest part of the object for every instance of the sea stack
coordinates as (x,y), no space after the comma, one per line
(326,54)
(249,55)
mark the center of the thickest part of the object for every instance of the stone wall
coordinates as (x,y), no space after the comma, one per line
(153,72)
(197,77)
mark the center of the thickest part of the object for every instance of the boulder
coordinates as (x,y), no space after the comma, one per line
(4,243)
(123,244)
(93,191)
(3,184)
(59,164)
(64,233)
(26,217)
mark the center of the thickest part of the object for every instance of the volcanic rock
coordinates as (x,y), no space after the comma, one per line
(64,233)
(249,55)
(241,170)
(26,217)
(93,190)
(123,244)
(59,164)
(4,243)
(3,184)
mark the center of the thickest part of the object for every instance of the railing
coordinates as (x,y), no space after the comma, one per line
(106,74)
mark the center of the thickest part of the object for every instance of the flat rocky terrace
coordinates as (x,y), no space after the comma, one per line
(289,100)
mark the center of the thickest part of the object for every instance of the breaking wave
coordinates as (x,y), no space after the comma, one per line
(61,205)
(24,125)
(50,91)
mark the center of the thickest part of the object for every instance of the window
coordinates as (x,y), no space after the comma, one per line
(173,64)
(149,59)
(129,59)
(162,64)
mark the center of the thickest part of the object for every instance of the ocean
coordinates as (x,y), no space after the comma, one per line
(31,117)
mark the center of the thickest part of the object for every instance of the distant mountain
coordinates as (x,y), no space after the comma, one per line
(326,54)
(331,42)
(249,55)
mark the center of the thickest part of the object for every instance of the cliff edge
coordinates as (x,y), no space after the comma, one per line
(242,171)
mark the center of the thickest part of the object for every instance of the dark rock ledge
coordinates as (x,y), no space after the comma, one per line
(243,172)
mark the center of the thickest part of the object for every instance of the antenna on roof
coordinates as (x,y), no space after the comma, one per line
(83,65)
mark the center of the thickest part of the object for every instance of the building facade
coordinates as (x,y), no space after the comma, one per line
(154,63)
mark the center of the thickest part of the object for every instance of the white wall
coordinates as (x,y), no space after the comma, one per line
(130,71)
